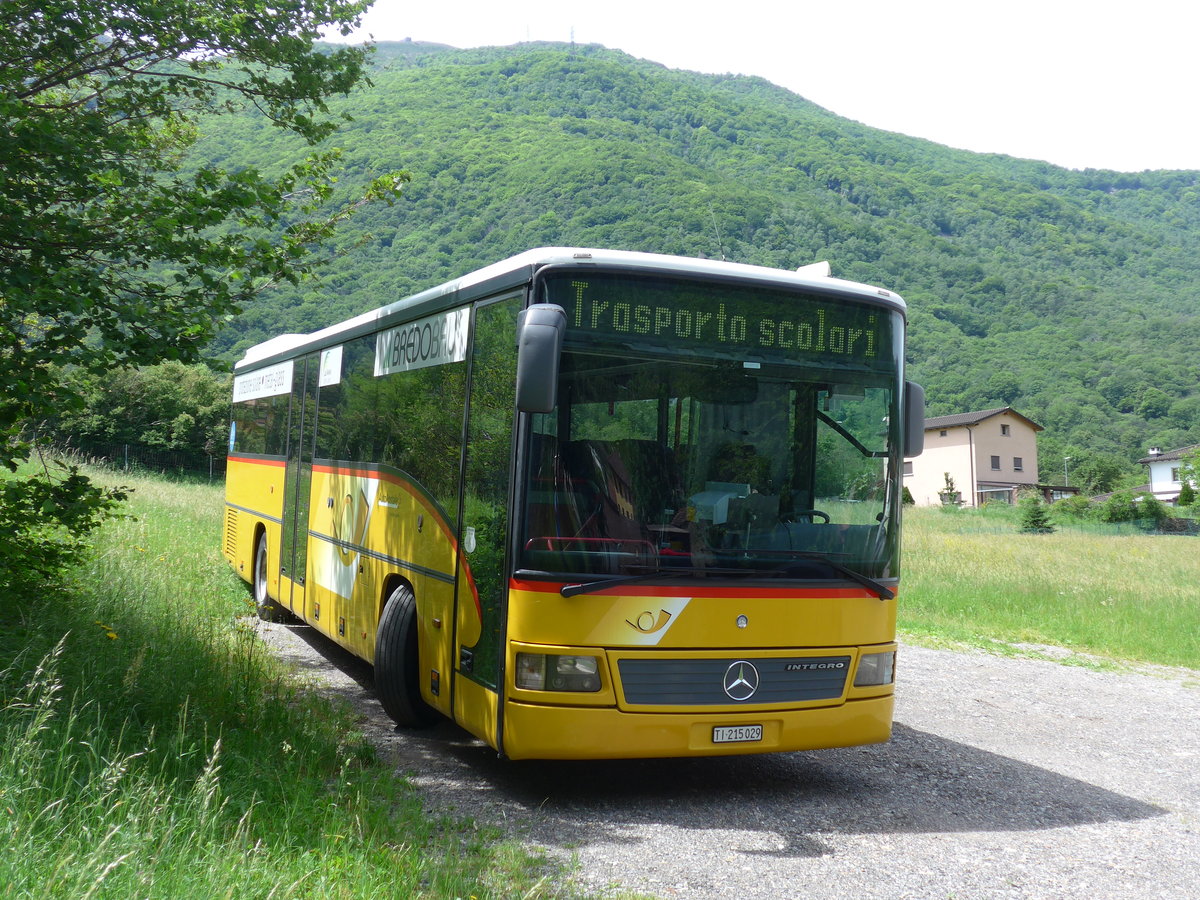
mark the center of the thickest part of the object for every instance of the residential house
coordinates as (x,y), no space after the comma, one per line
(987,455)
(1164,467)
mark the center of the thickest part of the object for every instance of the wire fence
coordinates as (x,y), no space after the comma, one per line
(1007,522)
(145,459)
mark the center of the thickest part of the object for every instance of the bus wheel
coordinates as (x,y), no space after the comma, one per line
(268,610)
(397,677)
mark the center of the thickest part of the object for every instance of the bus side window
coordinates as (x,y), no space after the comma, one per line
(348,424)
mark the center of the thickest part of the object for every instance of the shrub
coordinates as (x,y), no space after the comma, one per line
(46,519)
(1151,509)
(1074,508)
(1118,508)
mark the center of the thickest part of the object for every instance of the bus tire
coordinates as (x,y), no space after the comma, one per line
(397,675)
(268,610)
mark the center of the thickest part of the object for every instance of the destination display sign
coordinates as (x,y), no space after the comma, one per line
(729,320)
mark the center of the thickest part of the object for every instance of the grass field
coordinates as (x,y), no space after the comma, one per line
(970,576)
(150,747)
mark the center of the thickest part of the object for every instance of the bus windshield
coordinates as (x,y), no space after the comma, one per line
(715,430)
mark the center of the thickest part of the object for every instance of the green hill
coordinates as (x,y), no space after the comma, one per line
(1069,295)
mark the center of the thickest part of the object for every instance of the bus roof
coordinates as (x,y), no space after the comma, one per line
(517,270)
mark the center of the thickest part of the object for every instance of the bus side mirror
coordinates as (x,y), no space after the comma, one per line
(539,345)
(914,419)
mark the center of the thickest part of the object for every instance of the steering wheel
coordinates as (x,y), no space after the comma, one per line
(809,513)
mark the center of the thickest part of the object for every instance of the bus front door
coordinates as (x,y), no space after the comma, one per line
(483,563)
(297,486)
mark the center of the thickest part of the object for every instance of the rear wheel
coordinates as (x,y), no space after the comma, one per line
(268,610)
(397,676)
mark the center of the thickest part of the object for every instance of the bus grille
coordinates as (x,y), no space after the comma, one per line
(230,532)
(702,682)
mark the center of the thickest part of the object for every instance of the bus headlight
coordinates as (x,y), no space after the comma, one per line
(557,672)
(875,669)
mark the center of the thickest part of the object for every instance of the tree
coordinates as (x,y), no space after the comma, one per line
(1153,404)
(1034,517)
(114,249)
(1004,386)
(1187,494)
(1189,472)
(1096,472)
(170,406)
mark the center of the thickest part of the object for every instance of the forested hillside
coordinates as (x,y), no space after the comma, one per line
(1070,295)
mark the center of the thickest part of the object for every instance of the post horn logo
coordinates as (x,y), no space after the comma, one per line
(648,623)
(741,680)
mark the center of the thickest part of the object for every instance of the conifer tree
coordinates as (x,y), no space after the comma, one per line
(1187,494)
(1035,518)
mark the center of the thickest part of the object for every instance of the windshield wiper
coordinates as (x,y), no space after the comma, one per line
(883,592)
(586,587)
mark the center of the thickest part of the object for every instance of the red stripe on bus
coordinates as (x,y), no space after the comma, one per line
(690,590)
(257,462)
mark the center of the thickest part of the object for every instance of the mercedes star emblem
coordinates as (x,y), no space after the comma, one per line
(741,680)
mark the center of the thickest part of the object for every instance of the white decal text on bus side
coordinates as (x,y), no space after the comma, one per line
(268,382)
(432,341)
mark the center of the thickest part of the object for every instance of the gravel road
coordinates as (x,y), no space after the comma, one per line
(1004,778)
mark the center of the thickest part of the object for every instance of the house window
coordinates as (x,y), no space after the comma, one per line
(907,468)
(1018,464)
(1004,430)
(995,463)
(1175,475)
(941,434)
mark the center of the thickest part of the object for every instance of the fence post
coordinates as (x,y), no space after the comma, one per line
(126,457)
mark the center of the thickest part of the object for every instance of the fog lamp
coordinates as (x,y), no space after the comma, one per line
(557,672)
(875,669)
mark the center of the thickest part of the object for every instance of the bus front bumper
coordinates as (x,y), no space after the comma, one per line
(555,732)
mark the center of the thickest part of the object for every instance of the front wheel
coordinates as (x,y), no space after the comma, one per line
(397,675)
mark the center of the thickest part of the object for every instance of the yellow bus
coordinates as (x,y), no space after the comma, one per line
(593,504)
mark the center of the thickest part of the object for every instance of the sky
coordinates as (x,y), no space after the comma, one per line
(1078,83)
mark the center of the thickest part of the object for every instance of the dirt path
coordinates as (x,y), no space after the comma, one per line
(1004,778)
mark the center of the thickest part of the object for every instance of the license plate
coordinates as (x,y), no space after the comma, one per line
(737,734)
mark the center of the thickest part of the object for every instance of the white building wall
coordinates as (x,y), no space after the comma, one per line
(941,455)
(1163,484)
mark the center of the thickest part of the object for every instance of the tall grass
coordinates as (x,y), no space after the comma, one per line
(970,576)
(150,747)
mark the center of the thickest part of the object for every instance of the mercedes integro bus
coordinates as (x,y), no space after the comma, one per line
(593,504)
